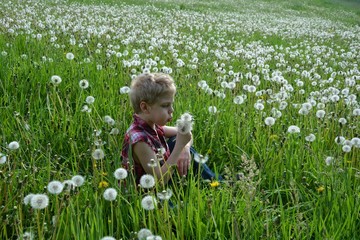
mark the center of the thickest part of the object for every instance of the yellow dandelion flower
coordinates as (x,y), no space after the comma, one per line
(209,151)
(214,184)
(274,137)
(320,189)
(104,173)
(103,184)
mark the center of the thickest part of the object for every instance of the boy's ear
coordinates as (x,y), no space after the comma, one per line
(144,107)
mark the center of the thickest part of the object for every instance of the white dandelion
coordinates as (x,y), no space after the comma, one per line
(110,194)
(340,140)
(108,238)
(55,79)
(293,129)
(78,180)
(70,56)
(342,121)
(329,160)
(90,100)
(212,109)
(147,181)
(27,198)
(114,131)
(98,154)
(144,233)
(269,121)
(346,148)
(200,158)
(120,173)
(109,120)
(154,237)
(165,194)
(355,142)
(239,100)
(310,138)
(27,236)
(55,187)
(86,108)
(356,112)
(13,145)
(69,185)
(84,84)
(183,127)
(124,90)
(3,158)
(320,113)
(149,202)
(39,201)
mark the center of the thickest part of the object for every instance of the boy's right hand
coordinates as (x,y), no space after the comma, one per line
(183,139)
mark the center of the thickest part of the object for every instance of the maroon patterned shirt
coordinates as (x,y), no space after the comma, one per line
(140,131)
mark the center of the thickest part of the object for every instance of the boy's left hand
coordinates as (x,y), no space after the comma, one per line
(183,162)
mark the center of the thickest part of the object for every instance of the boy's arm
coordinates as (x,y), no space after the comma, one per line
(169,131)
(163,173)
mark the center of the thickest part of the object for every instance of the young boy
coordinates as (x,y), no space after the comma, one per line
(145,147)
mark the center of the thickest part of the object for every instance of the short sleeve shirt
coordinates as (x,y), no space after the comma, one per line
(140,131)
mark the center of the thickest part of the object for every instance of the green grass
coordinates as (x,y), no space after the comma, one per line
(278,184)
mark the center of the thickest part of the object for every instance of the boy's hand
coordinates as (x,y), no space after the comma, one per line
(183,162)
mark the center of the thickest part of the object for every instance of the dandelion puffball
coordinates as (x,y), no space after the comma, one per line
(55,187)
(144,233)
(56,80)
(148,202)
(98,154)
(39,201)
(293,129)
(2,158)
(110,194)
(78,180)
(147,181)
(13,145)
(84,84)
(120,173)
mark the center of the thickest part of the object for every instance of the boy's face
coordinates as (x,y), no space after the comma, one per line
(160,112)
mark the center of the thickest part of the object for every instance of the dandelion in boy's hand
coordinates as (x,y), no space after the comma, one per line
(293,129)
(212,109)
(148,202)
(78,180)
(103,184)
(200,158)
(70,56)
(269,121)
(120,173)
(144,233)
(2,158)
(27,198)
(310,138)
(165,194)
(56,80)
(84,84)
(13,145)
(39,201)
(184,124)
(90,100)
(110,194)
(147,181)
(124,90)
(55,187)
(98,154)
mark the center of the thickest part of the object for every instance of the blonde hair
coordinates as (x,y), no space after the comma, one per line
(149,88)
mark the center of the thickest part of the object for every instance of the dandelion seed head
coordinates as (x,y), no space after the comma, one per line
(27,198)
(147,181)
(148,202)
(78,180)
(124,90)
(200,158)
(69,185)
(84,84)
(70,56)
(3,158)
(239,100)
(212,109)
(340,140)
(55,79)
(90,99)
(165,194)
(120,173)
(269,121)
(346,148)
(13,145)
(98,154)
(320,113)
(39,201)
(110,194)
(144,233)
(108,238)
(293,129)
(55,187)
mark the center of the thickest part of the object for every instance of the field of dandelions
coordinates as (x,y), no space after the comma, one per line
(272,86)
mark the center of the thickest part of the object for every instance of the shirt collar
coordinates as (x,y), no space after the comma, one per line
(144,125)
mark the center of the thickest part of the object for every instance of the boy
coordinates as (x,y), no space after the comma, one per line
(152,98)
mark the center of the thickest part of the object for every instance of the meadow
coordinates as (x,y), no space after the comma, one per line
(273,87)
